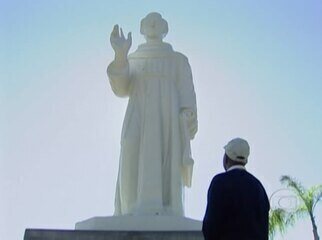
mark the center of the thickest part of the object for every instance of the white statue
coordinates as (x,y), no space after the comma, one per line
(160,121)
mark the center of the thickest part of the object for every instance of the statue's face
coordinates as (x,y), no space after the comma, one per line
(153,26)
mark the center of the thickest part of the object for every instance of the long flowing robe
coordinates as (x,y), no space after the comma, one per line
(152,170)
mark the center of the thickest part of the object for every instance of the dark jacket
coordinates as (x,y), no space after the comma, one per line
(237,208)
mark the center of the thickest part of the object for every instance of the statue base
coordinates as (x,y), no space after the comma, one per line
(43,234)
(125,228)
(140,223)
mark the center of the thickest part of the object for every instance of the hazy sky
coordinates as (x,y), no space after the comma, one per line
(257,68)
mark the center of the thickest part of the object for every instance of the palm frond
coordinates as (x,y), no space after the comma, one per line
(297,188)
(316,195)
(300,212)
(279,221)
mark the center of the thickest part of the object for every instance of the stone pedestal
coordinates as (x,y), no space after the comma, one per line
(42,234)
(125,228)
(140,223)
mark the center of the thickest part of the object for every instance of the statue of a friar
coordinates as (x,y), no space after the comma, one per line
(160,121)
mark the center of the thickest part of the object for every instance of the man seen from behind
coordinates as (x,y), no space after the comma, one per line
(237,207)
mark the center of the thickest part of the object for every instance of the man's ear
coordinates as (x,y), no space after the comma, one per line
(225,162)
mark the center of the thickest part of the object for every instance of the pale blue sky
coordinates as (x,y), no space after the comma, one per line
(257,68)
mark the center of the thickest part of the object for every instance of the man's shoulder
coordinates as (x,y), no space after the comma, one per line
(235,175)
(245,178)
(219,178)
(253,178)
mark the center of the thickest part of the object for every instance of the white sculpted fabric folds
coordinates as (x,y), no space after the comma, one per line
(161,118)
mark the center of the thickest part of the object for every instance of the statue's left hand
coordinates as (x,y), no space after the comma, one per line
(191,117)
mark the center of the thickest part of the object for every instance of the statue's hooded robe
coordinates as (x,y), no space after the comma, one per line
(155,162)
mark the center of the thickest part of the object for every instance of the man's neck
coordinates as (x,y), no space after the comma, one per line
(241,167)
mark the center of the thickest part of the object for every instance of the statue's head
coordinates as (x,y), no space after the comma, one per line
(154,27)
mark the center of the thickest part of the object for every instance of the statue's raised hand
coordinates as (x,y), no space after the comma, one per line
(120,45)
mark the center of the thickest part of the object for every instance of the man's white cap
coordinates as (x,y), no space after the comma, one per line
(237,150)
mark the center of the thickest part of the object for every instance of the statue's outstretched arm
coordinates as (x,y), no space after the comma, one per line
(118,70)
